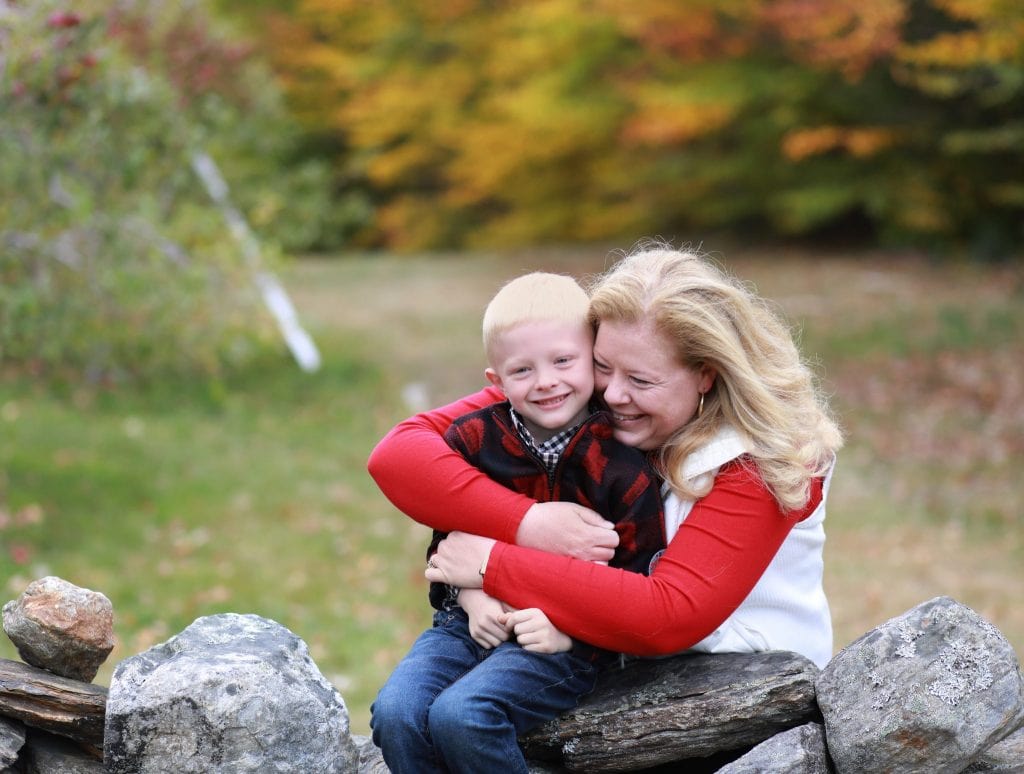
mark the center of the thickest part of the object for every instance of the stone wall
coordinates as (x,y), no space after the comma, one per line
(937,689)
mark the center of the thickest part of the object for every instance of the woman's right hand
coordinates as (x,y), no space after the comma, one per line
(568,529)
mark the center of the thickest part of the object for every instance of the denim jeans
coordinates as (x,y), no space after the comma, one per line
(454,706)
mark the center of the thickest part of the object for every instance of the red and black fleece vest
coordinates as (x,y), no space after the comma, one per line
(595,470)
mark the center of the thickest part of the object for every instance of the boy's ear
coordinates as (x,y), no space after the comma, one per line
(493,378)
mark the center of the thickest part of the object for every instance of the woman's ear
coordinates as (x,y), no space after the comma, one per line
(493,378)
(706,378)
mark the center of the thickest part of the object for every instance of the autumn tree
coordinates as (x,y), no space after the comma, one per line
(496,123)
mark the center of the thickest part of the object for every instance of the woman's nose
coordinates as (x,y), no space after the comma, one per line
(614,392)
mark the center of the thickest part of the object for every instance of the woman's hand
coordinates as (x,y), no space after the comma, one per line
(458,560)
(535,632)
(568,529)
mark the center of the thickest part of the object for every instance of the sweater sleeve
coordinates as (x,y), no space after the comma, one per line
(426,479)
(715,559)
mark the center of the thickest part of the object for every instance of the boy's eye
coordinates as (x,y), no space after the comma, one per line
(563,360)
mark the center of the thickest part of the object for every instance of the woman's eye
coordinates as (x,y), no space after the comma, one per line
(602,367)
(640,382)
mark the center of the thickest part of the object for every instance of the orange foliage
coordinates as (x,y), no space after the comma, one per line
(848,35)
(860,142)
(674,125)
(692,31)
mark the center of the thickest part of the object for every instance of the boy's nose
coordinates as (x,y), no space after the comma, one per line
(546,379)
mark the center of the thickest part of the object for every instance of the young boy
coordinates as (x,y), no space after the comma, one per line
(485,674)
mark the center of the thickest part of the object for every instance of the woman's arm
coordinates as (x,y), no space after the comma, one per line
(430,482)
(712,563)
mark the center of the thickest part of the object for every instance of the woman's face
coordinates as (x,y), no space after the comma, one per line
(649,393)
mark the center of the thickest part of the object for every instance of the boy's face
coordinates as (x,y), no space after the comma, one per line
(546,370)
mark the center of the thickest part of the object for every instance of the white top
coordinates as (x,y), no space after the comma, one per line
(787,608)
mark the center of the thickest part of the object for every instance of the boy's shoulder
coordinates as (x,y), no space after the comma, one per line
(475,422)
(489,413)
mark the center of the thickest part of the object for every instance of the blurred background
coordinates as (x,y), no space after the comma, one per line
(240,239)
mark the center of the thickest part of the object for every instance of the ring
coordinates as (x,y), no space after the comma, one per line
(430,563)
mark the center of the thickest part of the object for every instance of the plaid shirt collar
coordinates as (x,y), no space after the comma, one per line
(551,450)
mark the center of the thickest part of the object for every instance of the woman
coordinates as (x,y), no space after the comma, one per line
(697,371)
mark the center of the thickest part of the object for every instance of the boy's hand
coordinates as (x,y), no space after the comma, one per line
(484,612)
(535,632)
(568,529)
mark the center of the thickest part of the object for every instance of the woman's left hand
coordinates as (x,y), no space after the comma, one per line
(458,560)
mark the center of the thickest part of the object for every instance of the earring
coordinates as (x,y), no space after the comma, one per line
(700,406)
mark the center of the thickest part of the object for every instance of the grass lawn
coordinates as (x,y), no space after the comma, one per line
(252,496)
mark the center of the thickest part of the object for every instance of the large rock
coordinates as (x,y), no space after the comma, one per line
(12,739)
(800,750)
(928,691)
(61,627)
(371,761)
(656,711)
(230,694)
(49,754)
(41,699)
(1003,758)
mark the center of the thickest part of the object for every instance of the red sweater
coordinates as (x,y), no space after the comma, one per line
(709,567)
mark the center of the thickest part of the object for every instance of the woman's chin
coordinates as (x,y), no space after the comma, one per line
(631,437)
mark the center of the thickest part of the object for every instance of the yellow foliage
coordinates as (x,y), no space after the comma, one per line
(996,36)
(968,48)
(410,223)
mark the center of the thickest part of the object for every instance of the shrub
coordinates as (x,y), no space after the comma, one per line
(114,263)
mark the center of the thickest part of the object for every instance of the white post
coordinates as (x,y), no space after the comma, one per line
(301,344)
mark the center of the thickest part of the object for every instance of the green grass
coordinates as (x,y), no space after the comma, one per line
(251,495)
(178,504)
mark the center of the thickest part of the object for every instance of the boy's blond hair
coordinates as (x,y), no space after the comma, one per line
(535,297)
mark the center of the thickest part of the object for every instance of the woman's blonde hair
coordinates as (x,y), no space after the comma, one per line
(762,387)
(535,297)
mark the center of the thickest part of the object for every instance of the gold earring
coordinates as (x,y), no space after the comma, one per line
(700,406)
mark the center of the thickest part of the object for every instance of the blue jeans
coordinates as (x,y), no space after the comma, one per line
(454,706)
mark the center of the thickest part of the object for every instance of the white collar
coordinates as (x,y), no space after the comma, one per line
(726,445)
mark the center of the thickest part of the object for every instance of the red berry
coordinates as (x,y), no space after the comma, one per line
(61,19)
